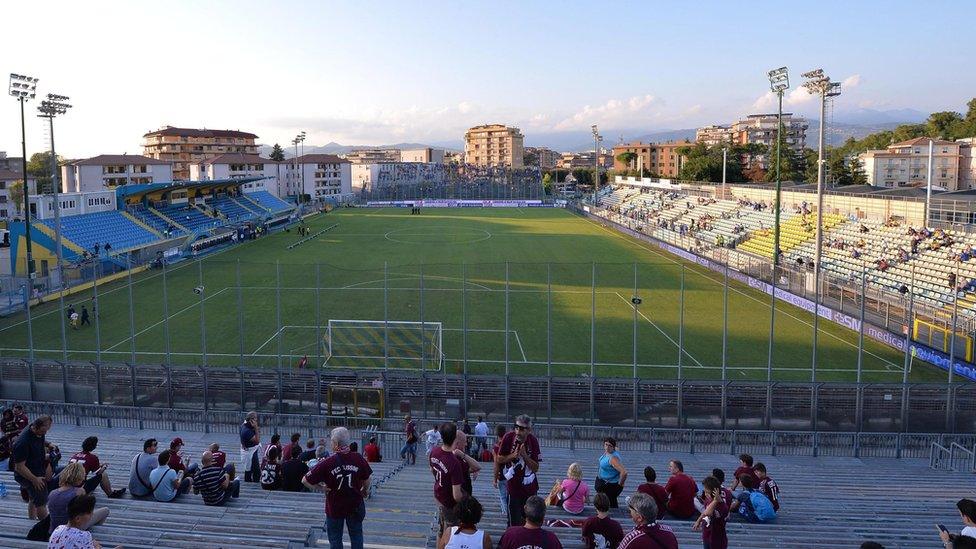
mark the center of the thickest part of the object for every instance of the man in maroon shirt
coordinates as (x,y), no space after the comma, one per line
(681,490)
(519,455)
(647,532)
(531,535)
(372,451)
(294,446)
(93,467)
(767,486)
(448,475)
(602,525)
(409,451)
(344,477)
(744,468)
(655,490)
(178,461)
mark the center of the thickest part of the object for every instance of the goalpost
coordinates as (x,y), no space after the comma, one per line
(384,343)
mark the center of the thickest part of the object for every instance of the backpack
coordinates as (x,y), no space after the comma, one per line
(762,507)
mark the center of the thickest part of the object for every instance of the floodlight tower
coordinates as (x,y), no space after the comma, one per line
(819,83)
(779,82)
(53,106)
(24,88)
(597,138)
(300,140)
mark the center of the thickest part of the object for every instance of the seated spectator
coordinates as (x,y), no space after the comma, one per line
(180,462)
(655,490)
(292,472)
(214,482)
(7,427)
(142,466)
(713,517)
(571,493)
(745,468)
(372,451)
(294,446)
(601,530)
(647,532)
(681,490)
(271,471)
(354,447)
(467,535)
(275,443)
(73,535)
(967,512)
(93,467)
(309,452)
(320,454)
(71,482)
(767,486)
(753,506)
(220,460)
(531,534)
(166,482)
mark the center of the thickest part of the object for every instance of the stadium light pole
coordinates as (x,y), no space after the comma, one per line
(596,162)
(818,83)
(24,88)
(779,82)
(295,163)
(53,106)
(301,140)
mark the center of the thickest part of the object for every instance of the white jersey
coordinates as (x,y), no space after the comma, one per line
(460,540)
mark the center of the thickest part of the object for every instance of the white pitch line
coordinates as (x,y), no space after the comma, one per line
(663,332)
(170,317)
(519,341)
(274,335)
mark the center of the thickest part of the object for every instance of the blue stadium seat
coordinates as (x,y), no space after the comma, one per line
(111,227)
(269,201)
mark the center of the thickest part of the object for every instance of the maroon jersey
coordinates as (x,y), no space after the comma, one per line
(659,494)
(344,473)
(606,527)
(448,473)
(520,537)
(176,461)
(655,536)
(681,490)
(713,527)
(744,470)
(90,461)
(372,453)
(727,496)
(770,489)
(219,458)
(523,483)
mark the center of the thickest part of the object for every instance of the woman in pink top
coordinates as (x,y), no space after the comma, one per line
(573,491)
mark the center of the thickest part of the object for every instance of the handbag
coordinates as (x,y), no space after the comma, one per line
(563,500)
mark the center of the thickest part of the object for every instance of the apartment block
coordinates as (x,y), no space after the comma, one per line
(240,165)
(108,171)
(661,159)
(585,159)
(906,164)
(494,145)
(546,158)
(185,146)
(715,135)
(9,208)
(373,156)
(325,175)
(426,155)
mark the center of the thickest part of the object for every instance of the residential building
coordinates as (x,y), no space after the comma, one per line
(494,145)
(239,165)
(373,156)
(107,171)
(763,128)
(715,135)
(321,175)
(426,155)
(184,146)
(11,163)
(73,203)
(660,159)
(586,159)
(9,209)
(967,163)
(906,164)
(545,157)
(384,174)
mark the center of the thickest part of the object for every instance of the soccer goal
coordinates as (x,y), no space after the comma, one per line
(384,343)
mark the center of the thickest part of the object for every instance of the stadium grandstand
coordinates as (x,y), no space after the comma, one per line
(428,181)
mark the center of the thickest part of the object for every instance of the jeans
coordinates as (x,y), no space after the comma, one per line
(503,497)
(409,448)
(611,489)
(233,491)
(354,523)
(480,445)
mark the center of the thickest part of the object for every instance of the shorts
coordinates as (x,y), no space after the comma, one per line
(31,494)
(446,517)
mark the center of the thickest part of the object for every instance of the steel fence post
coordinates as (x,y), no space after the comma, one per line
(240,372)
(278,311)
(203,318)
(725,326)
(132,311)
(549,330)
(634,338)
(206,388)
(592,325)
(681,325)
(166,338)
(318,316)
(386,317)
(860,331)
(240,311)
(95,313)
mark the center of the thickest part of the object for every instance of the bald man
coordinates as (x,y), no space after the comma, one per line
(214,482)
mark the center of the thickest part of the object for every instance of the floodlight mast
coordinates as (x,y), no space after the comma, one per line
(24,88)
(53,106)
(597,138)
(779,82)
(820,84)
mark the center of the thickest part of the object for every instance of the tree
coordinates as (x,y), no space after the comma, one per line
(277,153)
(626,158)
(530,158)
(810,168)
(754,172)
(39,167)
(943,124)
(858,176)
(17,195)
(583,176)
(547,182)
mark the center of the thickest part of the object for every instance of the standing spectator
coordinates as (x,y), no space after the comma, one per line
(498,480)
(531,534)
(142,466)
(612,474)
(655,490)
(432,439)
(93,467)
(84,316)
(214,482)
(647,532)
(409,450)
(726,493)
(344,477)
(292,472)
(372,451)
(31,467)
(448,475)
(469,466)
(767,486)
(167,484)
(466,429)
(250,447)
(713,517)
(571,492)
(480,438)
(71,482)
(467,535)
(744,468)
(967,512)
(520,456)
(271,471)
(72,535)
(602,531)
(681,490)
(294,446)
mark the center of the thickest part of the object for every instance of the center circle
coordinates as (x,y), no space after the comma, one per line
(416,236)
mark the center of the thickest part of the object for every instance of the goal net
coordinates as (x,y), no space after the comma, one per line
(384,343)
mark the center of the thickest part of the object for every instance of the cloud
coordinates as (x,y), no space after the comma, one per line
(464,107)
(614,112)
(767,101)
(851,81)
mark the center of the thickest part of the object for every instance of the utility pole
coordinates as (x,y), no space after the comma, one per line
(779,81)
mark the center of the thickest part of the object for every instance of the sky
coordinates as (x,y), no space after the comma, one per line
(364,72)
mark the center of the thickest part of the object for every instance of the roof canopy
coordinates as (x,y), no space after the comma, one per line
(142,189)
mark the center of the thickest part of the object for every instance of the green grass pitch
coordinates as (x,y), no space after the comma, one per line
(266,305)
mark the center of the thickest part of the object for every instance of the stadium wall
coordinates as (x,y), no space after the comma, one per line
(446,203)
